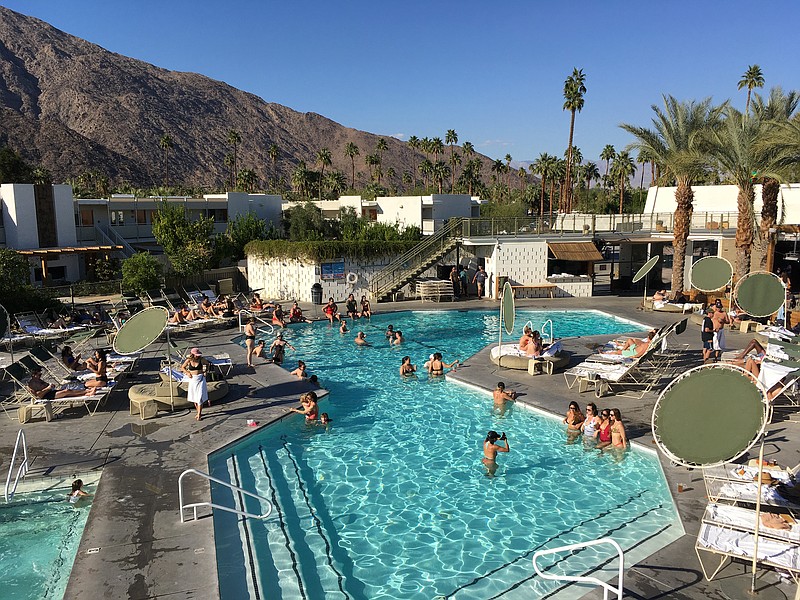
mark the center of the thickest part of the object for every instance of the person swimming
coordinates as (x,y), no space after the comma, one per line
(490,450)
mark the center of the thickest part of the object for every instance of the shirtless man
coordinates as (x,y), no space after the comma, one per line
(361,339)
(719,319)
(490,450)
(502,397)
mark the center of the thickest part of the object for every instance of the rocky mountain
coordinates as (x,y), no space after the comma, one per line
(72,106)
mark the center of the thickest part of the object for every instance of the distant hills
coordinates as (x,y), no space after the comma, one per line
(71,106)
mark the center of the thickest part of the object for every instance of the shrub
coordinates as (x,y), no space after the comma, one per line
(141,272)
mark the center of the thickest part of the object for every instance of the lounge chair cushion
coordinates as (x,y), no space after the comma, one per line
(160,391)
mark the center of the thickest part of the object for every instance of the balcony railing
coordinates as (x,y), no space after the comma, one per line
(585,224)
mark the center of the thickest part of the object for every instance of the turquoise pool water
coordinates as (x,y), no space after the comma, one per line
(40,533)
(391,500)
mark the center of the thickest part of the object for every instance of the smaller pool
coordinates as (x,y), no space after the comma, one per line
(39,537)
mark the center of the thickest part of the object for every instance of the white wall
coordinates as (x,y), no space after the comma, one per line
(404,210)
(264,206)
(65,215)
(722,198)
(19,216)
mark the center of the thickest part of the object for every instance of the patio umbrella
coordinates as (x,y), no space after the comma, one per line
(710,274)
(641,273)
(711,415)
(507,316)
(760,293)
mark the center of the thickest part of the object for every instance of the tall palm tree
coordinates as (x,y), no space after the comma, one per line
(336,182)
(247,180)
(451,138)
(608,155)
(675,142)
(621,170)
(522,174)
(775,111)
(234,139)
(440,172)
(273,151)
(574,89)
(557,174)
(507,169)
(641,159)
(324,160)
(542,166)
(228,162)
(351,150)
(752,78)
(166,144)
(426,168)
(590,173)
(742,152)
(455,160)
(437,148)
(414,144)
(300,178)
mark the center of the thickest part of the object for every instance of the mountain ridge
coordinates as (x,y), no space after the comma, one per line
(73,106)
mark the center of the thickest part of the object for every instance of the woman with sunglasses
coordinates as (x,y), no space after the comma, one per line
(618,438)
(574,420)
(591,423)
(604,429)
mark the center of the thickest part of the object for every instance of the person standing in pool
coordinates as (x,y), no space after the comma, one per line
(501,398)
(278,349)
(490,450)
(619,440)
(77,492)
(390,333)
(406,368)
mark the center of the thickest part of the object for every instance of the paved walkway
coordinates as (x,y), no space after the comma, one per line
(134,545)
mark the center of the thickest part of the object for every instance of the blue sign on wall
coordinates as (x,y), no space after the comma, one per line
(333,270)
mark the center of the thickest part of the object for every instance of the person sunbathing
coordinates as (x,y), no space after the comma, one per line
(525,340)
(536,345)
(45,391)
(660,296)
(750,362)
(633,347)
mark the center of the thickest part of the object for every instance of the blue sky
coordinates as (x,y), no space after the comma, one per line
(493,71)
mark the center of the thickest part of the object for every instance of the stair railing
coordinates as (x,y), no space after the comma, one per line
(583,578)
(385,279)
(195,505)
(23,467)
(244,315)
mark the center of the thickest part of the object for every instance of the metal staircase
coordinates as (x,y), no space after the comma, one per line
(416,261)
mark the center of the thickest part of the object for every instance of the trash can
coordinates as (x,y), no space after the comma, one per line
(316,294)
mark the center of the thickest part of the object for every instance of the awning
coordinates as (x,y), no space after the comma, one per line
(578,251)
(69,250)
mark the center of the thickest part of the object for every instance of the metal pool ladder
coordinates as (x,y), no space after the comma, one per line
(606,586)
(23,467)
(194,505)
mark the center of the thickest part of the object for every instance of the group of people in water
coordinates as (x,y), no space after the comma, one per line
(354,309)
(603,429)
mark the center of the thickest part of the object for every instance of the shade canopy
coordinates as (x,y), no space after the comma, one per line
(760,294)
(711,273)
(507,307)
(646,268)
(141,330)
(710,415)
(580,251)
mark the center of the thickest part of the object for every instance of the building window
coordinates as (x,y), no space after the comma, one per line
(141,217)
(117,217)
(87,217)
(333,269)
(55,273)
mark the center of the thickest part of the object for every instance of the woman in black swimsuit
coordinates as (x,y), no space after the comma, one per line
(250,340)
(278,349)
(437,365)
(98,365)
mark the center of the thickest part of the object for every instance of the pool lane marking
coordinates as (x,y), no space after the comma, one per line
(606,534)
(246,529)
(282,522)
(315,518)
(527,553)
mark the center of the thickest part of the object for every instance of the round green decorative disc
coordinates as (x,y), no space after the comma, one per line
(760,294)
(711,273)
(141,330)
(646,268)
(507,307)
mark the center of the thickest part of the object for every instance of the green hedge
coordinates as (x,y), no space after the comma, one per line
(326,250)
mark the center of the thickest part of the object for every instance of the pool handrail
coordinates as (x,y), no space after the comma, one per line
(194,505)
(249,313)
(582,578)
(548,338)
(23,467)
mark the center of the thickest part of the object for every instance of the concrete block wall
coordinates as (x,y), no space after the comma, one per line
(291,279)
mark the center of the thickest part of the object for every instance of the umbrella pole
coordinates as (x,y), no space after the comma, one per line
(169,370)
(500,336)
(758,516)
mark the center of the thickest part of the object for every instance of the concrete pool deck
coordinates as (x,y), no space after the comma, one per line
(139,548)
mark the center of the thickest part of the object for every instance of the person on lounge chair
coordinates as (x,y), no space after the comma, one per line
(633,347)
(44,391)
(751,362)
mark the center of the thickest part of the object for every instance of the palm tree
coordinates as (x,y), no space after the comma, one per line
(234,139)
(574,89)
(542,166)
(165,143)
(273,153)
(247,180)
(497,168)
(558,171)
(752,78)
(414,144)
(300,178)
(336,182)
(590,173)
(451,137)
(426,168)
(608,155)
(324,160)
(440,172)
(776,112)
(675,142)
(621,170)
(641,159)
(228,162)
(741,149)
(437,148)
(352,151)
(471,175)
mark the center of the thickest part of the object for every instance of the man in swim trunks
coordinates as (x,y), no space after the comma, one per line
(720,319)
(490,450)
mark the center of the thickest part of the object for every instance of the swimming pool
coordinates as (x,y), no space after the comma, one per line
(40,536)
(391,500)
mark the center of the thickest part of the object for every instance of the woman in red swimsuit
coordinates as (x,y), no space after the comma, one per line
(604,430)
